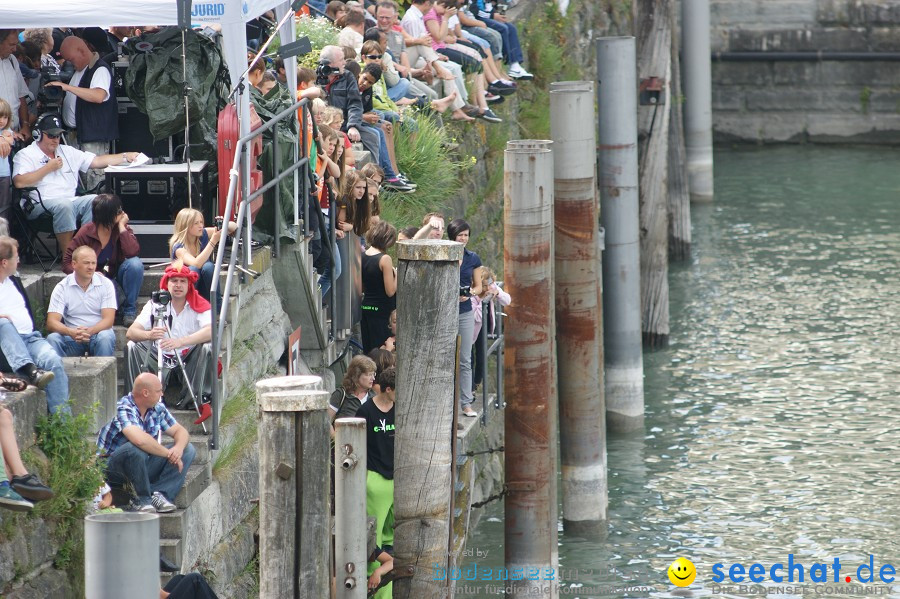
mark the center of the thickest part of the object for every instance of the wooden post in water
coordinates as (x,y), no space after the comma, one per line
(623,360)
(427,327)
(530,538)
(654,26)
(350,507)
(679,200)
(579,334)
(294,499)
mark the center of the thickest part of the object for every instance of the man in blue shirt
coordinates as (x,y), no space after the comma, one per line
(131,441)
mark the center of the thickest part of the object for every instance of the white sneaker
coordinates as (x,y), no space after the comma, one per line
(162,505)
(519,73)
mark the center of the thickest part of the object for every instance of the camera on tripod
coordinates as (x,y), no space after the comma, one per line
(161,297)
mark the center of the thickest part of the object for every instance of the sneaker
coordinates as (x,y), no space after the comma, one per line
(490,117)
(12,500)
(30,487)
(40,378)
(406,180)
(162,505)
(520,73)
(396,185)
(501,89)
(467,411)
(128,319)
(142,508)
(490,99)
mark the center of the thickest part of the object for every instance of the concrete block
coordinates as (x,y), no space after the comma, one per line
(92,381)
(758,128)
(26,408)
(757,74)
(884,39)
(171,525)
(833,12)
(871,74)
(766,100)
(198,478)
(796,73)
(762,13)
(841,128)
(875,13)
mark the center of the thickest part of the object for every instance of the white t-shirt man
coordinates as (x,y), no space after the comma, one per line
(61,184)
(12,87)
(12,304)
(80,308)
(100,80)
(181,325)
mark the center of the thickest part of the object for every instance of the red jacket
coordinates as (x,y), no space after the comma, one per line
(125,246)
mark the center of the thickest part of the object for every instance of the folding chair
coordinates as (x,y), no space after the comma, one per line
(29,230)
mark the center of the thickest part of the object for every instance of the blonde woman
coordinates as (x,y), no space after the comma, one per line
(194,245)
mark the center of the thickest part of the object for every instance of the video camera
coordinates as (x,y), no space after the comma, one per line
(465,291)
(324,71)
(52,97)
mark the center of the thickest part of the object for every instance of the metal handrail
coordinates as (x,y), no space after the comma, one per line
(241,154)
(495,348)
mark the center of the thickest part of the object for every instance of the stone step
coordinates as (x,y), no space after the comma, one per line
(198,477)
(171,550)
(172,525)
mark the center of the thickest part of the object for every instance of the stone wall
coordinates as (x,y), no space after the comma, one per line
(826,100)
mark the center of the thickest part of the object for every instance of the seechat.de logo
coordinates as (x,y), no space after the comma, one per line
(682,572)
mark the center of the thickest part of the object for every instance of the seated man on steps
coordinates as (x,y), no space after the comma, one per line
(136,458)
(189,321)
(82,309)
(53,169)
(23,349)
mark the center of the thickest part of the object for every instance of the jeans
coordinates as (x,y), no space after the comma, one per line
(466,329)
(130,276)
(398,91)
(384,159)
(147,473)
(333,273)
(142,357)
(101,344)
(206,275)
(511,48)
(407,123)
(22,350)
(65,212)
(492,37)
(368,137)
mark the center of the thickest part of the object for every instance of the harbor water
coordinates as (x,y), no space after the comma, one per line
(771,419)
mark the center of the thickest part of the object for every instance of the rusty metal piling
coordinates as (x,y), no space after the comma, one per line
(530,532)
(579,333)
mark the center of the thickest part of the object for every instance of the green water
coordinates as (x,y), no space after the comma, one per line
(771,419)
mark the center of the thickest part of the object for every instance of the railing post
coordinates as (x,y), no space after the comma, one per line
(483,359)
(350,507)
(530,532)
(294,498)
(121,556)
(582,418)
(428,323)
(698,140)
(276,163)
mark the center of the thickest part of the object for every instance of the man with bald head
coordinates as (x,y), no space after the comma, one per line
(90,105)
(82,310)
(131,442)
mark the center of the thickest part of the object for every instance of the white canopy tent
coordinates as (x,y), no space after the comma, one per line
(230,14)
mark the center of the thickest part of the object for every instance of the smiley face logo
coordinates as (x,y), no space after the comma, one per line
(682,572)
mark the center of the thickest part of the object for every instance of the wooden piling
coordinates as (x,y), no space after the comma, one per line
(579,335)
(679,199)
(350,507)
(654,26)
(427,327)
(530,538)
(294,500)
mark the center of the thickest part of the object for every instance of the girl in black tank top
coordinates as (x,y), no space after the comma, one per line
(379,280)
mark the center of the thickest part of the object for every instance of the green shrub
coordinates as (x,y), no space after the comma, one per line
(75,477)
(430,166)
(321,33)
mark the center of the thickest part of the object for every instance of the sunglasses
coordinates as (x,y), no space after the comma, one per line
(374,56)
(52,136)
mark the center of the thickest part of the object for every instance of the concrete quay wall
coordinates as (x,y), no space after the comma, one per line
(821,101)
